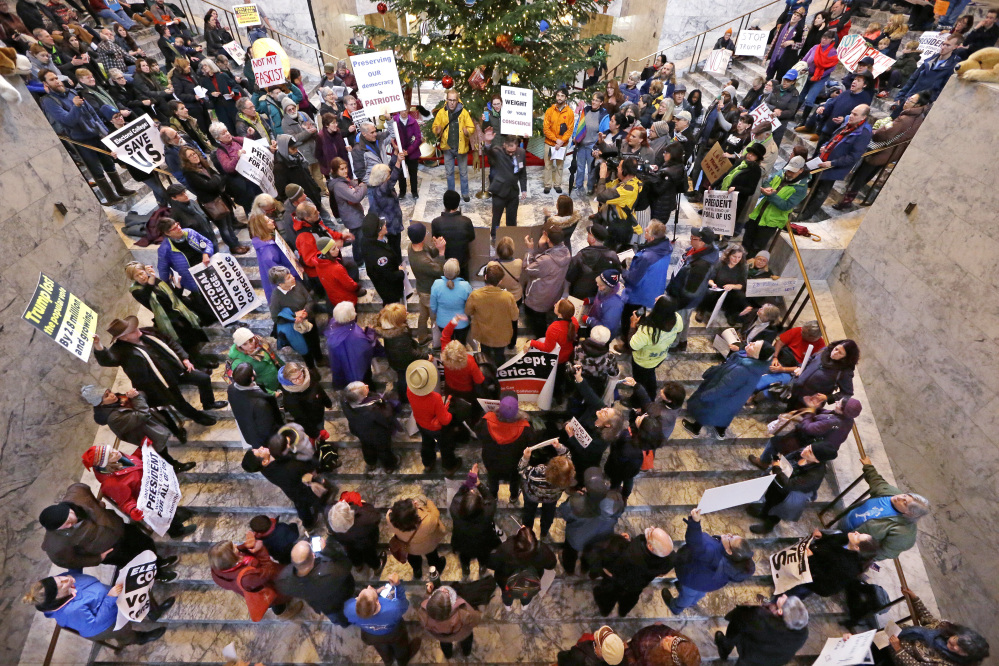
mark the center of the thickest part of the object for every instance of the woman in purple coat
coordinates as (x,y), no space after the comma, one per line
(262,232)
(410,137)
(830,427)
(329,145)
(351,347)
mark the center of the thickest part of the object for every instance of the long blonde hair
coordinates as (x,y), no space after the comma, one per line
(897,28)
(257,223)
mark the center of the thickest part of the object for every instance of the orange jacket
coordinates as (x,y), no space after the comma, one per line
(553,120)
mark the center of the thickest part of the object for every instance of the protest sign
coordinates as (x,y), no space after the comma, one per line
(256,164)
(137,144)
(531,375)
(137,578)
(715,164)
(854,47)
(752,43)
(579,432)
(718,61)
(789,567)
(378,82)
(290,255)
(62,316)
(763,287)
(719,211)
(236,51)
(268,71)
(734,494)
(517,114)
(159,493)
(930,43)
(247,16)
(718,307)
(488,405)
(845,652)
(764,114)
(226,287)
(722,341)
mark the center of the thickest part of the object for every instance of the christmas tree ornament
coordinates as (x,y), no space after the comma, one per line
(543,25)
(514,78)
(425,40)
(570,2)
(447,82)
(518,39)
(477,81)
(382,8)
(600,54)
(469,3)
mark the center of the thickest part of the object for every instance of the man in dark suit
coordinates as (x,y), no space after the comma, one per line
(157,366)
(256,411)
(457,230)
(508,170)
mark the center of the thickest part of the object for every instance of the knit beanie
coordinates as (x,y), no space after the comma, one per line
(508,408)
(452,200)
(851,407)
(51,600)
(661,127)
(824,451)
(341,517)
(92,394)
(600,334)
(611,277)
(292,191)
(52,517)
(97,456)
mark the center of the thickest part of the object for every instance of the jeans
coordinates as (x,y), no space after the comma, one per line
(156,185)
(547,515)
(97,163)
(685,598)
(584,168)
(769,452)
(822,190)
(227,231)
(256,33)
(117,17)
(954,12)
(450,158)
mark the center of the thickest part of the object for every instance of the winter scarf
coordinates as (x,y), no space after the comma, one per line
(163,323)
(835,141)
(823,61)
(935,639)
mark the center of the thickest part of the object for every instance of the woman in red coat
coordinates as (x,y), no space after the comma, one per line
(249,571)
(120,476)
(337,283)
(563,331)
(461,372)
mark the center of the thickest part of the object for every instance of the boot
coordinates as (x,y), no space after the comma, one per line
(118,185)
(847,200)
(110,196)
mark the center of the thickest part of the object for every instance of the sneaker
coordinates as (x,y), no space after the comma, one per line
(719,433)
(166,562)
(465,199)
(166,576)
(509,609)
(559,190)
(689,427)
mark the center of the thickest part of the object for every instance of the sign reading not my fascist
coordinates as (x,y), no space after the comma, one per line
(378,82)
(62,316)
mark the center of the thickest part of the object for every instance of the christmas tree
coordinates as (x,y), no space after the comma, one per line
(533,45)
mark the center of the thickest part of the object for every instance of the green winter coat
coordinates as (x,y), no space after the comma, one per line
(774,209)
(896,534)
(265,368)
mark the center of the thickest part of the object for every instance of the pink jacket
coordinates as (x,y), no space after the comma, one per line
(228,154)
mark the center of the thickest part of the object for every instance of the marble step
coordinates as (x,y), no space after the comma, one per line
(319,642)
(251,490)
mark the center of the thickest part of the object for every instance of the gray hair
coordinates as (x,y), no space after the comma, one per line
(379,174)
(769,312)
(353,392)
(209,64)
(795,614)
(114,71)
(810,329)
(368,123)
(243,101)
(216,129)
(277,274)
(919,507)
(344,312)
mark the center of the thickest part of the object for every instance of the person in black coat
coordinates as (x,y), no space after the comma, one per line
(277,537)
(285,471)
(520,552)
(836,559)
(209,186)
(257,413)
(355,525)
(473,534)
(626,455)
(383,261)
(647,557)
(305,400)
(590,262)
(371,419)
(746,177)
(809,469)
(184,83)
(602,424)
(507,178)
(127,96)
(504,434)
(290,167)
(157,366)
(766,635)
(456,229)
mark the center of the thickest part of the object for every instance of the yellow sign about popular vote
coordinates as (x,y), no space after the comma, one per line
(247,16)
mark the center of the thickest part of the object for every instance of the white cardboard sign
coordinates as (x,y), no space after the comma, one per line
(159,493)
(488,405)
(752,43)
(267,71)
(256,164)
(854,47)
(138,144)
(718,61)
(762,287)
(138,577)
(734,494)
(236,51)
(378,82)
(719,210)
(579,432)
(763,114)
(789,567)
(226,287)
(517,114)
(854,650)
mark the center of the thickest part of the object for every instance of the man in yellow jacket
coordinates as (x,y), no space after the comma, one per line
(559,121)
(453,128)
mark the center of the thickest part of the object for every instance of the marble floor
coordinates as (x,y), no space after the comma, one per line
(223,497)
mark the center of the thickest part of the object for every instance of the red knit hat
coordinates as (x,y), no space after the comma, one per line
(98,456)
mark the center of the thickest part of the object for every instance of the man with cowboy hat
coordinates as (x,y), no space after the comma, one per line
(156,366)
(431,413)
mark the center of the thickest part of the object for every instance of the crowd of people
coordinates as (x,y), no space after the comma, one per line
(614,323)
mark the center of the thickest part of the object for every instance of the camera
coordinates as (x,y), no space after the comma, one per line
(613,162)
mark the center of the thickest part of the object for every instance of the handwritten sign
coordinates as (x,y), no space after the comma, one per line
(267,71)
(718,61)
(516,116)
(854,47)
(764,114)
(247,16)
(715,164)
(236,51)
(752,43)
(579,432)
(62,316)
(378,84)
(765,287)
(719,210)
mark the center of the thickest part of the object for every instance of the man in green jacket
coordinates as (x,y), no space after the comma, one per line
(889,515)
(779,198)
(260,354)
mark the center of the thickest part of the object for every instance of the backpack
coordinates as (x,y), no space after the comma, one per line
(524,585)
(865,601)
(329,457)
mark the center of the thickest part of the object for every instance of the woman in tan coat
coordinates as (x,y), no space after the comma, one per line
(417,524)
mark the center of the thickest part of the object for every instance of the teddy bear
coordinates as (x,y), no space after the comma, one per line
(11,62)
(983,65)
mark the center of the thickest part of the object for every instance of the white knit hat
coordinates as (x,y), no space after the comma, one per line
(600,334)
(93,394)
(242,336)
(341,517)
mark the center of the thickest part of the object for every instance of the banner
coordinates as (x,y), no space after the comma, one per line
(718,61)
(159,493)
(789,567)
(517,114)
(62,316)
(226,287)
(532,375)
(378,84)
(763,114)
(854,47)
(290,255)
(256,164)
(267,71)
(137,578)
(137,144)
(752,43)
(715,164)
(769,287)
(719,210)
(236,51)
(847,651)
(247,16)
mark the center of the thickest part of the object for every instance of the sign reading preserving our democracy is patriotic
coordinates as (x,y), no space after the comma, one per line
(517,114)
(789,567)
(378,84)
(268,71)
(257,165)
(854,47)
(137,578)
(719,210)
(138,143)
(531,375)
(752,43)
(247,16)
(226,287)
(159,493)
(62,316)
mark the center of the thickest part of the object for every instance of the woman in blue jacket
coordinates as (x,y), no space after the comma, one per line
(87,606)
(447,299)
(726,388)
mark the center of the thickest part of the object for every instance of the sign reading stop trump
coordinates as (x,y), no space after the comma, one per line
(137,578)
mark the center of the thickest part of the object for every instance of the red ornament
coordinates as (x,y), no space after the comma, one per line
(570,2)
(382,8)
(447,82)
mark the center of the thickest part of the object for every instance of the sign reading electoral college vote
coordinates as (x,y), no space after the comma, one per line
(62,316)
(138,143)
(226,287)
(378,82)
(517,114)
(246,15)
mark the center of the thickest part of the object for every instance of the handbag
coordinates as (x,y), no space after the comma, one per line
(256,602)
(802,230)
(400,548)
(216,209)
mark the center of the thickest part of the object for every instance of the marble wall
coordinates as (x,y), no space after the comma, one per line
(685,18)
(920,293)
(43,419)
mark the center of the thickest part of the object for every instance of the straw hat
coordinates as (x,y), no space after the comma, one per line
(422,377)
